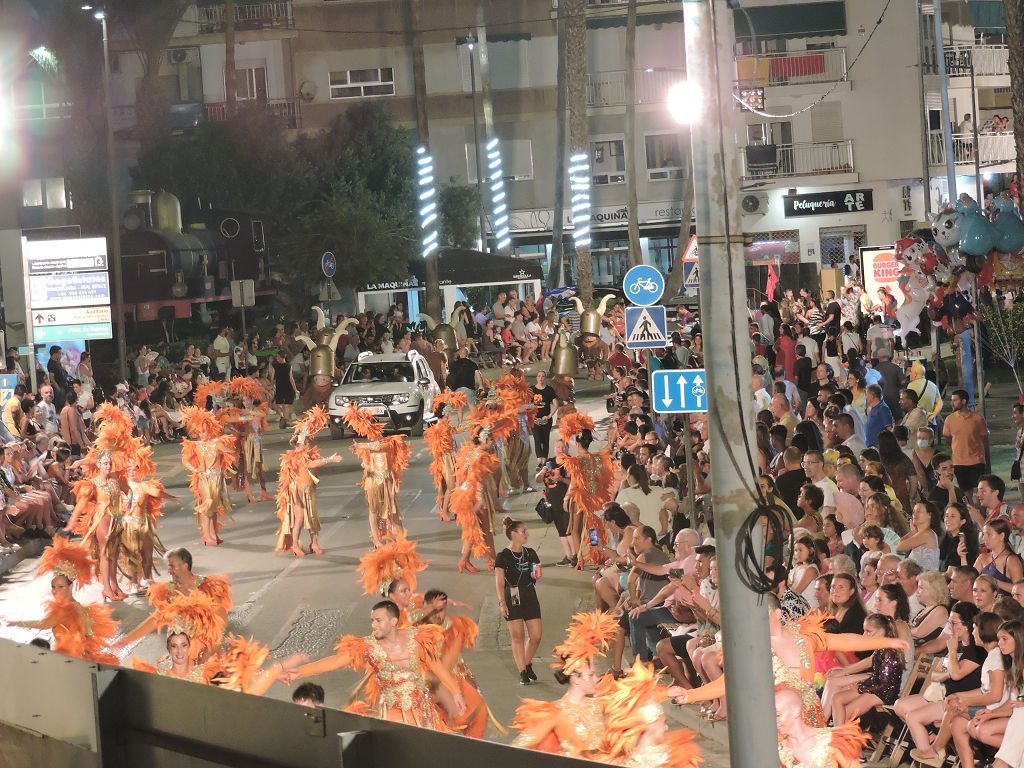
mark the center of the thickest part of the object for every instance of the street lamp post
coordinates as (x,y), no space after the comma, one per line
(471,44)
(115,222)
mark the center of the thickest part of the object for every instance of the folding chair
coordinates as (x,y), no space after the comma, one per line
(923,667)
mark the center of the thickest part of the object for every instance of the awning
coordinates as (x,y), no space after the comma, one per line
(458,266)
(825,19)
(642,19)
(988,14)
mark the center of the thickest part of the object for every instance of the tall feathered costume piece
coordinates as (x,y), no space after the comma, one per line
(587,637)
(195,615)
(398,558)
(243,386)
(296,483)
(72,561)
(211,459)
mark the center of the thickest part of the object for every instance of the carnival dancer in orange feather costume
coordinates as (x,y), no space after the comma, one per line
(590,477)
(395,560)
(399,663)
(210,458)
(475,500)
(78,630)
(252,424)
(513,392)
(440,440)
(805,746)
(384,460)
(573,725)
(296,485)
(636,732)
(142,508)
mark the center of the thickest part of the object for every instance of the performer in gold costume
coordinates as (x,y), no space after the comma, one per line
(252,425)
(805,746)
(590,478)
(211,460)
(143,505)
(98,519)
(440,440)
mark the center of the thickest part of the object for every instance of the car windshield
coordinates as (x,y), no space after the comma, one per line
(379,372)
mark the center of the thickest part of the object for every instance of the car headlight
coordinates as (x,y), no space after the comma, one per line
(401,399)
(340,400)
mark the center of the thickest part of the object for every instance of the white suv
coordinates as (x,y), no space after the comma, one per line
(399,389)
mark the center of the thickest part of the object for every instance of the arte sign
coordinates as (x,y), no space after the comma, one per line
(825,203)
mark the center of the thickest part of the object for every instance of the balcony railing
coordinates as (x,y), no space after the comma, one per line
(766,161)
(247,16)
(827,65)
(988,60)
(993,149)
(286,109)
(608,89)
(54,111)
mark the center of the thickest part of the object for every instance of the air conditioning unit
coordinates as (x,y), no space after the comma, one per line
(755,203)
(177,56)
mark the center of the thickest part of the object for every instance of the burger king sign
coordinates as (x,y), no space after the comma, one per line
(880,269)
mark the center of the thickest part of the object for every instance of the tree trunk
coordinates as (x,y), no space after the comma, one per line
(575,12)
(674,281)
(1015,44)
(635,253)
(419,80)
(484,61)
(556,268)
(230,75)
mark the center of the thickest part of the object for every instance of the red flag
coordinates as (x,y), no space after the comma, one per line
(773,283)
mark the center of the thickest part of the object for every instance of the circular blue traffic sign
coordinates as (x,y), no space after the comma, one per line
(643,285)
(329,264)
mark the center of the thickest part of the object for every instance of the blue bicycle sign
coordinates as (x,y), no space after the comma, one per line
(643,285)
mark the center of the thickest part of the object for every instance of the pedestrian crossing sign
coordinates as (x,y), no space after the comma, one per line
(691,278)
(646,327)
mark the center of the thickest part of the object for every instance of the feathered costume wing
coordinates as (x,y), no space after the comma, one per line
(66,558)
(82,631)
(538,725)
(474,466)
(588,636)
(573,423)
(397,558)
(240,664)
(214,389)
(244,386)
(362,422)
(465,628)
(215,587)
(310,423)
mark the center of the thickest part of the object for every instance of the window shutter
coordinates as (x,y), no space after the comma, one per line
(827,122)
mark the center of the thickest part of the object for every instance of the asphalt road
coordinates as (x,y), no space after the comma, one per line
(303,604)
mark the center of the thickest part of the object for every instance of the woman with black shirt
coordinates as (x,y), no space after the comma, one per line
(516,570)
(556,483)
(847,608)
(285,390)
(958,545)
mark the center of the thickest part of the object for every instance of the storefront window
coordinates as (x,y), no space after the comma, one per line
(664,251)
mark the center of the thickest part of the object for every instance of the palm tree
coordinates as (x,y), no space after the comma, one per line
(575,12)
(1015,44)
(635,254)
(230,75)
(556,269)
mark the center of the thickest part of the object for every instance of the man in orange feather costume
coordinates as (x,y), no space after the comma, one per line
(384,460)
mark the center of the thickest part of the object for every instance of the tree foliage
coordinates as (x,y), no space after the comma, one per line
(350,190)
(1004,333)
(458,215)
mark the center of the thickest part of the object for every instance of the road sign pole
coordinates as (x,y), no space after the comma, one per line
(716,170)
(691,492)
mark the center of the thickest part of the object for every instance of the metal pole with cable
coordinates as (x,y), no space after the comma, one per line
(115,218)
(947,119)
(476,147)
(710,42)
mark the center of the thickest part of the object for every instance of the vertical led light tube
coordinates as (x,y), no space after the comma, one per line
(427,200)
(499,201)
(579,188)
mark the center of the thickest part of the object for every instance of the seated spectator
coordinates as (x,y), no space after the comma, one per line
(881,686)
(933,596)
(958,545)
(999,561)
(921,544)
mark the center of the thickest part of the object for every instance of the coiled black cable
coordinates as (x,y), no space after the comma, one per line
(751,546)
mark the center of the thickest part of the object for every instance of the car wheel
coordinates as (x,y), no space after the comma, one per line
(416,430)
(337,431)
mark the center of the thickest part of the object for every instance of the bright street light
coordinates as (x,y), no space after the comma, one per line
(685,102)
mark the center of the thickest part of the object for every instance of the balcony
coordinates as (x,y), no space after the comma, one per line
(987,60)
(781,161)
(286,109)
(608,89)
(827,65)
(248,16)
(993,149)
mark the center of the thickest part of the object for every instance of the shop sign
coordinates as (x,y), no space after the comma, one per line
(879,268)
(825,203)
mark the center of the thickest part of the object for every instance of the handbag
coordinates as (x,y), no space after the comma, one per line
(545,510)
(934,692)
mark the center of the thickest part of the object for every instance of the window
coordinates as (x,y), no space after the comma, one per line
(664,156)
(362,83)
(36,100)
(664,252)
(516,159)
(37,193)
(608,162)
(841,245)
(251,84)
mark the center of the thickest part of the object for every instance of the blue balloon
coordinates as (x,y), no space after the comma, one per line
(977,235)
(1008,226)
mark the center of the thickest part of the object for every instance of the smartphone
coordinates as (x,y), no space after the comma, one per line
(676,573)
(593,537)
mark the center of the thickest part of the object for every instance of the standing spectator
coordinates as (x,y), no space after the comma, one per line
(966,432)
(221,354)
(891,379)
(516,571)
(12,409)
(464,375)
(56,370)
(47,410)
(914,417)
(833,314)
(879,416)
(285,390)
(546,400)
(141,366)
(498,308)
(1018,461)
(72,426)
(783,415)
(814,465)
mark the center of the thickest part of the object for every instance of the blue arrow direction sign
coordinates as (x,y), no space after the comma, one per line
(676,391)
(643,285)
(646,328)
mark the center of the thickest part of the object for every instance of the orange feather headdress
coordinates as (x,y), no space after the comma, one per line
(396,559)
(243,386)
(72,561)
(587,637)
(631,705)
(214,389)
(241,664)
(142,458)
(200,423)
(195,615)
(574,423)
(310,423)
(453,398)
(362,422)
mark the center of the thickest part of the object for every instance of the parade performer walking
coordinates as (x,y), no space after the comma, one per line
(252,424)
(440,440)
(475,500)
(296,485)
(143,506)
(384,460)
(573,725)
(210,459)
(395,560)
(83,631)
(513,392)
(399,663)
(590,478)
